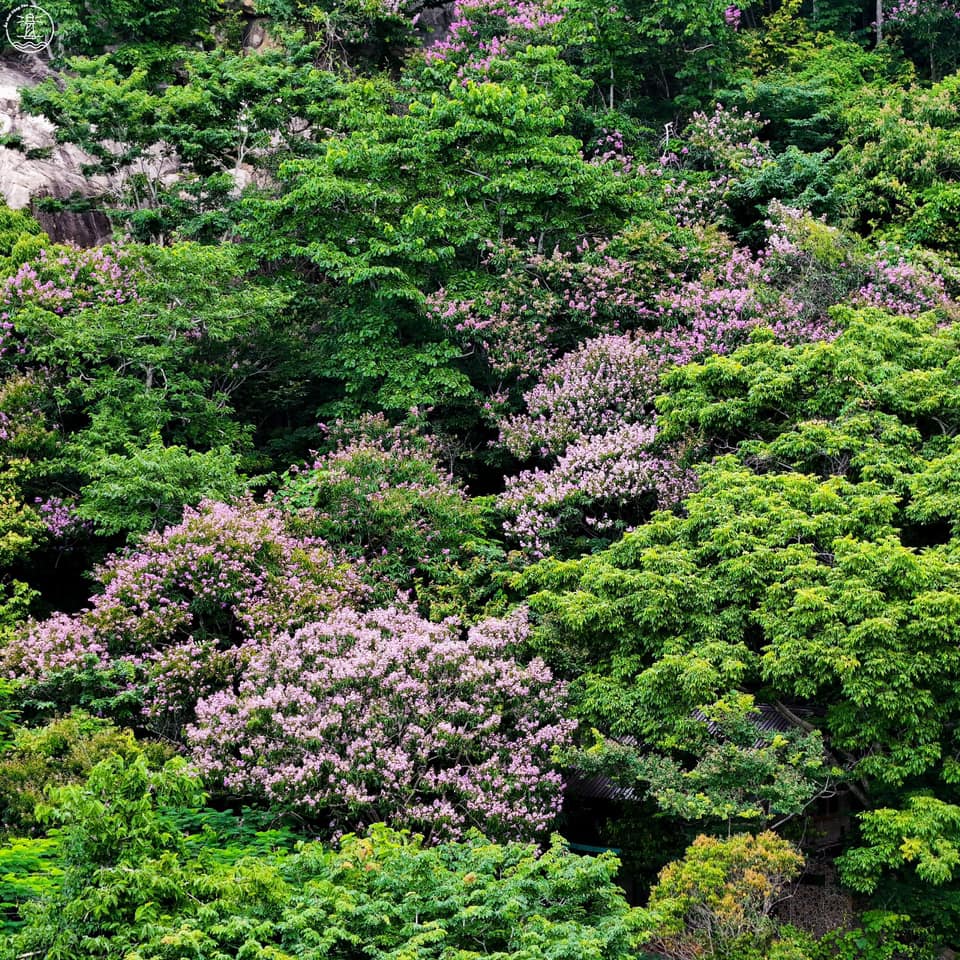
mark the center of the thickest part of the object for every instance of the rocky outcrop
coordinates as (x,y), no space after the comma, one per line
(57,172)
(256,35)
(433,22)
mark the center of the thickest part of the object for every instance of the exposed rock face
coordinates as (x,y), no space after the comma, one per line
(434,23)
(256,35)
(58,173)
(23,180)
(84,229)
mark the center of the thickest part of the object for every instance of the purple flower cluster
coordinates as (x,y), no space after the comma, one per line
(69,279)
(591,413)
(902,287)
(903,10)
(538,296)
(732,16)
(386,716)
(605,382)
(608,147)
(483,30)
(716,311)
(184,604)
(726,138)
(59,643)
(617,466)
(696,202)
(723,144)
(7,337)
(60,517)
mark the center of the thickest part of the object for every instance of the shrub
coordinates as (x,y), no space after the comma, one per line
(60,752)
(722,895)
(383,497)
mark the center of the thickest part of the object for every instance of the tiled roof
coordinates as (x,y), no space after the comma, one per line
(765,719)
(600,787)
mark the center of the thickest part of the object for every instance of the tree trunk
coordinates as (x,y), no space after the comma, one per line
(879,22)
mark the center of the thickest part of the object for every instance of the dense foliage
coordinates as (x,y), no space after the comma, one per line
(486,419)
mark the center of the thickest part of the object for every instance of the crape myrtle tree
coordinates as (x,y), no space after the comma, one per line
(635,55)
(172,615)
(239,636)
(589,423)
(422,175)
(460,162)
(383,716)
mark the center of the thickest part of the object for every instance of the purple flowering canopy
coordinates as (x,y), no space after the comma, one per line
(384,716)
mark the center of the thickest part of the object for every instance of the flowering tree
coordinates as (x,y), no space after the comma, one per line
(592,414)
(483,30)
(595,482)
(358,717)
(177,614)
(725,139)
(605,382)
(65,279)
(900,286)
(538,304)
(932,24)
(715,151)
(385,716)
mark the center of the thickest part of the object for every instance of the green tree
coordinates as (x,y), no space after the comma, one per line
(383,496)
(89,26)
(21,239)
(146,488)
(673,54)
(411,191)
(62,751)
(722,767)
(899,158)
(924,834)
(718,901)
(132,887)
(802,569)
(158,365)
